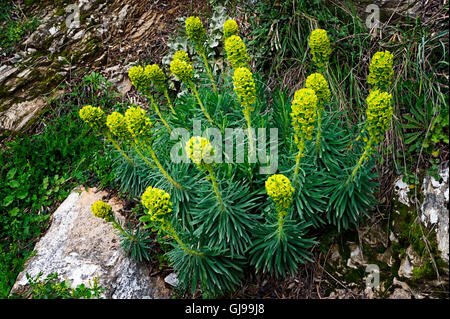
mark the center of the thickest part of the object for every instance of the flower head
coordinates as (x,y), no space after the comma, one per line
(195,31)
(279,188)
(200,151)
(230,28)
(139,125)
(94,116)
(118,125)
(381,71)
(156,75)
(244,86)
(181,55)
(320,47)
(379,114)
(303,114)
(236,51)
(317,82)
(157,202)
(139,78)
(102,210)
(181,69)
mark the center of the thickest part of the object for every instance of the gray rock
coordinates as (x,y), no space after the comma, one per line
(79,247)
(406,269)
(18,115)
(48,28)
(401,189)
(403,291)
(434,209)
(119,19)
(386,257)
(5,72)
(400,293)
(172,279)
(16,58)
(79,35)
(356,256)
(411,261)
(85,5)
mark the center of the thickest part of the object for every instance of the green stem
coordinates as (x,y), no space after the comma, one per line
(158,112)
(215,185)
(166,94)
(362,159)
(200,101)
(142,155)
(297,160)
(162,170)
(116,145)
(249,126)
(205,60)
(319,129)
(281,219)
(119,227)
(175,236)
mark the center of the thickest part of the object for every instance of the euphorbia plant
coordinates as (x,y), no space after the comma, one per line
(279,244)
(141,79)
(197,34)
(223,214)
(181,67)
(96,119)
(196,263)
(140,128)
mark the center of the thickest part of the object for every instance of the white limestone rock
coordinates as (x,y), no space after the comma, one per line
(434,209)
(79,247)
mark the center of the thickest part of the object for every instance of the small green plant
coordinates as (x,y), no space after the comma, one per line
(13,31)
(37,172)
(418,122)
(439,127)
(52,288)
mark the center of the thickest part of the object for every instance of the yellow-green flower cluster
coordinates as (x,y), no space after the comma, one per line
(320,47)
(181,66)
(303,114)
(158,203)
(317,82)
(156,75)
(200,151)
(236,51)
(279,188)
(230,28)
(102,210)
(181,55)
(381,71)
(195,31)
(244,86)
(94,116)
(138,124)
(118,125)
(378,114)
(139,78)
